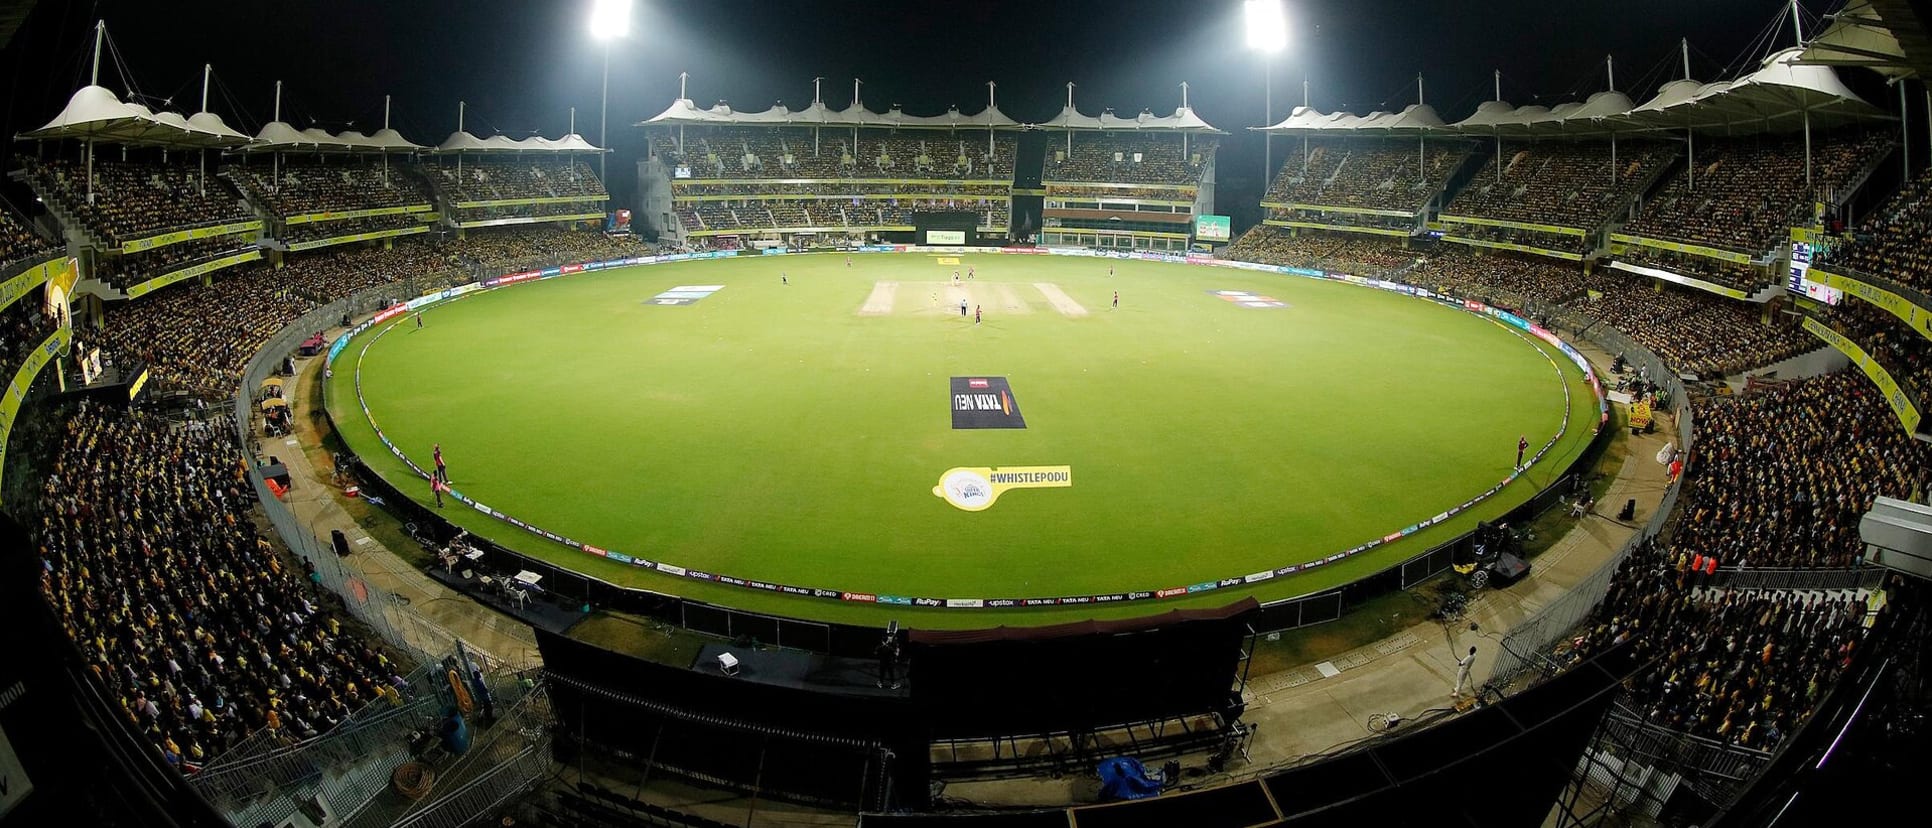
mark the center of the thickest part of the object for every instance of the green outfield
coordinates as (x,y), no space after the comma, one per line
(797,433)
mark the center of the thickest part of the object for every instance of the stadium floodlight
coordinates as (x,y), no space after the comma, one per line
(1267,26)
(1267,30)
(610,19)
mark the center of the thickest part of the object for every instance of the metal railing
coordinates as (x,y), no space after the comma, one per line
(1867,577)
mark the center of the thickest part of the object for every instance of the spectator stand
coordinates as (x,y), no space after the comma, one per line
(322,190)
(1379,173)
(499,181)
(797,176)
(1896,360)
(36,328)
(1128,183)
(123,214)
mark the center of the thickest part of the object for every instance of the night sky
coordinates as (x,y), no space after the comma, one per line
(521,64)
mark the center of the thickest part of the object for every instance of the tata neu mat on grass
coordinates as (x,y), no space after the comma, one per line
(985,402)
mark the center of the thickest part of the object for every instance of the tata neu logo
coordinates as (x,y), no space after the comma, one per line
(985,402)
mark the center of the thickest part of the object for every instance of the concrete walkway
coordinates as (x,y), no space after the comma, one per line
(1299,713)
(319,506)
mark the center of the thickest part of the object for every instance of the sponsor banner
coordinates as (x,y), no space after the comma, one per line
(1895,304)
(180,236)
(1339,228)
(1902,406)
(1024,251)
(26,280)
(1668,276)
(1330,208)
(356,237)
(985,402)
(500,222)
(23,378)
(1520,248)
(1517,225)
(340,215)
(952,237)
(210,266)
(1242,298)
(975,489)
(773,251)
(1680,247)
(684,295)
(519,202)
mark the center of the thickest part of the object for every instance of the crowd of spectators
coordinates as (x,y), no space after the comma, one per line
(135,200)
(1744,277)
(1096,193)
(1368,173)
(1748,192)
(739,152)
(507,179)
(1780,477)
(312,231)
(1694,331)
(24,325)
(125,270)
(501,249)
(196,625)
(1119,158)
(1896,242)
(1742,667)
(1561,183)
(1539,239)
(843,189)
(857,214)
(1511,280)
(1320,250)
(330,184)
(197,338)
(19,243)
(1899,349)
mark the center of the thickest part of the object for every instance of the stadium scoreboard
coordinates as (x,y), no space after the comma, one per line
(1800,276)
(1212,228)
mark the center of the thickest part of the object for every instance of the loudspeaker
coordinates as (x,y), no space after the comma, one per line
(1509,568)
(341,542)
(1629,510)
(276,472)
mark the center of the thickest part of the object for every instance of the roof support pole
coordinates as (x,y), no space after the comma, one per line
(201,155)
(100,33)
(990,109)
(1610,78)
(460,106)
(1419,136)
(385,126)
(1904,137)
(277,158)
(1497,75)
(1304,135)
(603,120)
(1070,119)
(1184,133)
(1268,118)
(1690,170)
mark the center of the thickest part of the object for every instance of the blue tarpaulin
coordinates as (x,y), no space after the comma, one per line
(1123,777)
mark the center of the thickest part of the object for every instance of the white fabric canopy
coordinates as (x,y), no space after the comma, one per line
(683,112)
(463,142)
(96,114)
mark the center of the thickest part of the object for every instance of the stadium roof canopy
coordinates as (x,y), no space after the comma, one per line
(278,136)
(1183,120)
(684,112)
(1782,94)
(460,142)
(1856,36)
(96,114)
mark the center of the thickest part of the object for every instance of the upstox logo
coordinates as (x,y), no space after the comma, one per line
(975,489)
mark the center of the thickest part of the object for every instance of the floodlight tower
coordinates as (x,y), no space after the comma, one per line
(1267,28)
(610,21)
